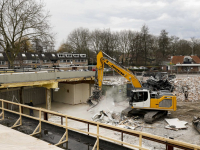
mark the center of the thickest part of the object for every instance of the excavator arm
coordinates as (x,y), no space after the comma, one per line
(103,58)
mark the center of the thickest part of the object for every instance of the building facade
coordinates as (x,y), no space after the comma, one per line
(186,63)
(44,60)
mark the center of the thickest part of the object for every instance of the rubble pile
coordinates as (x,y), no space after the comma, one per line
(117,119)
(191,85)
(155,84)
(114,81)
(196,123)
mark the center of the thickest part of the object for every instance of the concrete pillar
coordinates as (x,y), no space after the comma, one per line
(48,99)
(48,102)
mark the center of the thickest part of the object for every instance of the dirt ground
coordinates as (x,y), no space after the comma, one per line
(185,112)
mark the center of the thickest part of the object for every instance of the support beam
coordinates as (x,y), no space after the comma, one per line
(95,145)
(35,131)
(16,123)
(61,140)
(21,98)
(2,109)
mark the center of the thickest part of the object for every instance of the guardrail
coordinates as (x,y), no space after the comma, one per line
(170,143)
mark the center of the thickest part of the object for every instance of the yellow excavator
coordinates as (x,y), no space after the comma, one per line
(153,104)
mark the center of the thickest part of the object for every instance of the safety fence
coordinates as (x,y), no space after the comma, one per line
(170,143)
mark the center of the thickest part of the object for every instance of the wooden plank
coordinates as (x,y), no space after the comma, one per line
(97,137)
(61,140)
(16,123)
(95,145)
(66,123)
(35,131)
(140,140)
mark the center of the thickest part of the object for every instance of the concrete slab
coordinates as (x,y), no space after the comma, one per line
(12,139)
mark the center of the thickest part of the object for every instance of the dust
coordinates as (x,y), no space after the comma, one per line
(109,101)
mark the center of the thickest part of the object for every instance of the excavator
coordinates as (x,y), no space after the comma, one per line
(153,104)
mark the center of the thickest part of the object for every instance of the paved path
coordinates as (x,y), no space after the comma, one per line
(14,140)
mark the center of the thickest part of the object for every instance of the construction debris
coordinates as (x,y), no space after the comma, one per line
(116,119)
(114,81)
(155,84)
(191,85)
(196,123)
(175,124)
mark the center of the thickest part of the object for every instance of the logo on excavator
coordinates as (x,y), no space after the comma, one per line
(118,70)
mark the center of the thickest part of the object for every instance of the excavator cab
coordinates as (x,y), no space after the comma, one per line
(139,98)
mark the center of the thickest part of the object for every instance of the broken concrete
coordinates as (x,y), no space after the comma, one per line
(192,84)
(175,124)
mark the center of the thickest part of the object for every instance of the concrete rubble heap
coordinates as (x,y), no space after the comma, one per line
(114,81)
(190,84)
(115,118)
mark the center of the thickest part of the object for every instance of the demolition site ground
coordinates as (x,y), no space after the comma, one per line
(186,110)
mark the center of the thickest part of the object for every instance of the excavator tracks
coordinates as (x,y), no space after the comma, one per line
(151,116)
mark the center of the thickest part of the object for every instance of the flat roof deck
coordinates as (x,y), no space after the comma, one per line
(15,140)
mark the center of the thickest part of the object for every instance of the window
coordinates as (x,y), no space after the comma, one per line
(1,55)
(16,62)
(61,55)
(54,61)
(63,61)
(35,61)
(83,60)
(23,55)
(46,61)
(53,55)
(2,63)
(83,55)
(69,55)
(76,55)
(25,61)
(77,60)
(139,96)
(69,60)
(36,55)
(43,55)
(32,55)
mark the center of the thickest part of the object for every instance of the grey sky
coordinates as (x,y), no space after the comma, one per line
(178,17)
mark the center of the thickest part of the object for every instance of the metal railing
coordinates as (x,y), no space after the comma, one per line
(170,143)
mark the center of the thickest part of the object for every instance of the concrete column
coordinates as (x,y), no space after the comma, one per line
(48,99)
(48,103)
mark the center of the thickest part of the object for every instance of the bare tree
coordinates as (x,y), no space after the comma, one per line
(164,43)
(174,45)
(79,40)
(20,19)
(65,47)
(145,41)
(95,40)
(109,42)
(124,44)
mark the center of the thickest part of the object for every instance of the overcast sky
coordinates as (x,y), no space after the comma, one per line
(178,17)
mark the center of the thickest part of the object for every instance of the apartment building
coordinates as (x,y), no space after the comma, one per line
(45,60)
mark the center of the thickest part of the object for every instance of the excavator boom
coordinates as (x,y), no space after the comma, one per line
(103,58)
(156,103)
